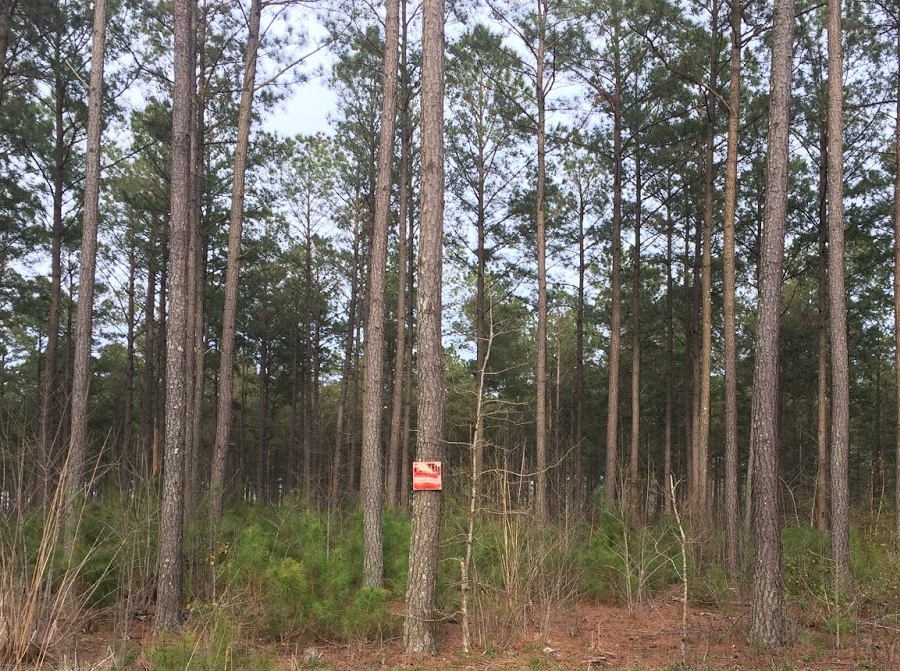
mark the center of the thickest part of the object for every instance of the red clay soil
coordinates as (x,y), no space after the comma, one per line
(593,637)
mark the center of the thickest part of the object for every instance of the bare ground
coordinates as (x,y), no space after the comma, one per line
(597,637)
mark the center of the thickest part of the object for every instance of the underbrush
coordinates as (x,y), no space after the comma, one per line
(286,573)
(291,573)
(626,562)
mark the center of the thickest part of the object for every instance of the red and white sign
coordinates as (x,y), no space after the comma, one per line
(426,476)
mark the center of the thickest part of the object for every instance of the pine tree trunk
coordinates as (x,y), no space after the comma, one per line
(372,484)
(401,366)
(355,457)
(123,456)
(169,605)
(822,466)
(232,272)
(419,631)
(634,462)
(193,376)
(542,508)
(148,386)
(84,326)
(159,414)
(702,508)
(732,467)
(767,609)
(308,357)
(877,448)
(294,477)
(840,372)
(612,406)
(49,392)
(579,333)
(897,293)
(406,436)
(686,459)
(262,445)
(670,353)
(337,465)
(695,317)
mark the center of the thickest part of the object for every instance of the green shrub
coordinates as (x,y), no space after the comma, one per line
(298,572)
(807,563)
(621,561)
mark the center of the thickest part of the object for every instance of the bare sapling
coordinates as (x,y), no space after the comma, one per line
(682,540)
(477,439)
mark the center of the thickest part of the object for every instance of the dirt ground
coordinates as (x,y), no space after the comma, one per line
(594,637)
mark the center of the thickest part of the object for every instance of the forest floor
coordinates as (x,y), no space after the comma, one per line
(595,637)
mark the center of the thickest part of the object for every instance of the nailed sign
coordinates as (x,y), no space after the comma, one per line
(426,476)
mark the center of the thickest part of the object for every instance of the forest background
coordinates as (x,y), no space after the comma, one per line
(628,269)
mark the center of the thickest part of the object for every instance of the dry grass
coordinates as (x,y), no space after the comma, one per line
(41,600)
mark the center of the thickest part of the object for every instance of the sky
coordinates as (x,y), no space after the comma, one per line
(305,112)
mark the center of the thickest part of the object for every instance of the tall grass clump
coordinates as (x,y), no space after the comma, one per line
(43,588)
(521,572)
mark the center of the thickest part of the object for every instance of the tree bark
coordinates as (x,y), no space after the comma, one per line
(400,367)
(579,334)
(840,373)
(822,466)
(169,608)
(702,501)
(634,462)
(670,353)
(612,405)
(767,609)
(148,388)
(84,325)
(334,492)
(897,292)
(372,482)
(232,271)
(49,425)
(419,630)
(262,445)
(194,355)
(406,436)
(123,453)
(542,507)
(732,475)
